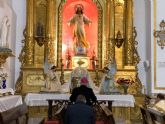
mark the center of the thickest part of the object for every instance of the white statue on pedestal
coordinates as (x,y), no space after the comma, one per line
(52,81)
(4,32)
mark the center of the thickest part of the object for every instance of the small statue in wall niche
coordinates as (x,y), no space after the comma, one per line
(4,31)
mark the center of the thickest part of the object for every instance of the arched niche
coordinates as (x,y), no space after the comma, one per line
(93,10)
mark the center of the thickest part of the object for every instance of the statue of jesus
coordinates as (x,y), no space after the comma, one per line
(79,20)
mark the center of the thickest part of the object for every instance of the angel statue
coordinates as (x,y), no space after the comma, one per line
(107,85)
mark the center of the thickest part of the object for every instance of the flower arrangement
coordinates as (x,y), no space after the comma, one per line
(3,77)
(124,83)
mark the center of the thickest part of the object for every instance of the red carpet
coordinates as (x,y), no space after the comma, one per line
(100,122)
(52,122)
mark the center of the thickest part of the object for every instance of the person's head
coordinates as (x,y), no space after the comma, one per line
(84,81)
(79,9)
(81,98)
(105,70)
(53,68)
(159,97)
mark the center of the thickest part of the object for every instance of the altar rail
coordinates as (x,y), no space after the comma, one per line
(38,104)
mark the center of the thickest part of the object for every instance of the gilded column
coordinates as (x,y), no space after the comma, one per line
(29,43)
(107,27)
(129,32)
(50,31)
(112,31)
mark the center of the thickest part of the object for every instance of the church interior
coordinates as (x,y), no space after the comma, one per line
(50,47)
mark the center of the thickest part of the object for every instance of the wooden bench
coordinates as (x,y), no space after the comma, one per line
(145,115)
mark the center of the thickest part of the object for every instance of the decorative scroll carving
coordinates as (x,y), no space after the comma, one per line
(135,52)
(160,35)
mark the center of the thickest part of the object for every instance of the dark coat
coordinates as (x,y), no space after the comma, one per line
(79,113)
(85,91)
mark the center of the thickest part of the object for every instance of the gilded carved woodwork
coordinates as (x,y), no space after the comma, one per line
(111,37)
(4,54)
(29,44)
(113,16)
(128,32)
(31,78)
(136,57)
(50,30)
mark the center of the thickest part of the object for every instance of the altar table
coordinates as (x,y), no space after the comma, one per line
(8,102)
(36,99)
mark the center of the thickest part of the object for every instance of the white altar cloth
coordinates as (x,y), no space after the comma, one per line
(7,90)
(8,102)
(33,99)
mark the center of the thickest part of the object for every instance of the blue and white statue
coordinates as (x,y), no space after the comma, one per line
(107,85)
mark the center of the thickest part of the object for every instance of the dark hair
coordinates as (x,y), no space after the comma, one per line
(53,67)
(77,10)
(106,68)
(160,96)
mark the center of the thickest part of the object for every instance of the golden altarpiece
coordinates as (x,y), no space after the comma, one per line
(47,38)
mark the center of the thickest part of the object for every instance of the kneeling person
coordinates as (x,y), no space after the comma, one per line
(80,112)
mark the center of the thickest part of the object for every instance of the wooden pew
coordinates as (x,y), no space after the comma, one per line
(145,115)
(156,116)
(13,114)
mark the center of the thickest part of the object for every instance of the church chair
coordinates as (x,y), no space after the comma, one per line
(13,114)
(145,115)
(156,116)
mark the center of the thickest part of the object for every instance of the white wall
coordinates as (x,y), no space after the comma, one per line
(142,23)
(19,7)
(158,66)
